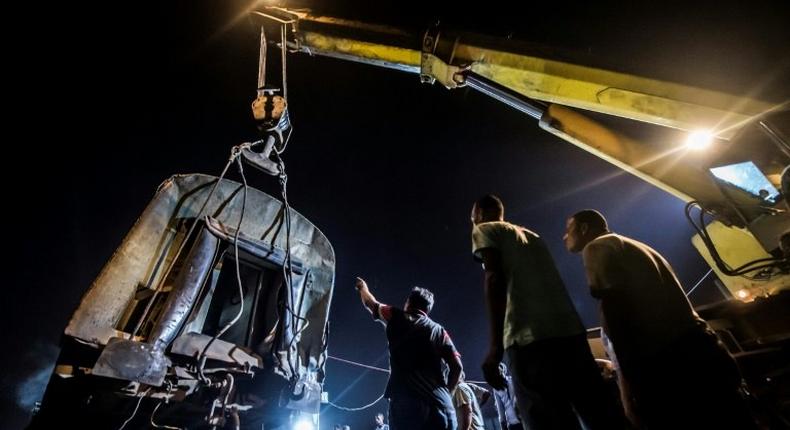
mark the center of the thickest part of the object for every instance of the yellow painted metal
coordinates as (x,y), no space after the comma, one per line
(648,100)
(575,85)
(361,51)
(671,168)
(664,164)
(529,71)
(437,70)
(736,247)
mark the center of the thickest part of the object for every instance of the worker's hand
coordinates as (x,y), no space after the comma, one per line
(491,371)
(361,285)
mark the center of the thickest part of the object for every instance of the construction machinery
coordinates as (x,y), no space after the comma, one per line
(213,311)
(731,168)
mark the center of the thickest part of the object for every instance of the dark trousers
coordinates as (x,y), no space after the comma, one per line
(554,377)
(692,384)
(411,413)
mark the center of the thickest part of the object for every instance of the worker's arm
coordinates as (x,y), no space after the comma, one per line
(496,301)
(600,267)
(463,405)
(481,394)
(453,360)
(465,417)
(378,310)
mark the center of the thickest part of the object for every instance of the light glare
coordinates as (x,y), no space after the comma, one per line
(742,294)
(303,425)
(699,140)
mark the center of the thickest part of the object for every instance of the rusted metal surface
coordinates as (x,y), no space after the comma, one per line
(132,361)
(187,286)
(150,246)
(192,344)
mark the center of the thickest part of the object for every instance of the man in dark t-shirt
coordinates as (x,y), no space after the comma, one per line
(418,391)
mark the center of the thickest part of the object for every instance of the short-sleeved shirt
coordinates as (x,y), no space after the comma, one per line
(418,349)
(463,395)
(643,307)
(485,399)
(538,305)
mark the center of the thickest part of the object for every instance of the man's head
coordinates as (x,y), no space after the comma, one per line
(379,419)
(488,208)
(420,299)
(582,228)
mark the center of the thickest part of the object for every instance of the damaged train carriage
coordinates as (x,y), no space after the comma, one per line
(211,313)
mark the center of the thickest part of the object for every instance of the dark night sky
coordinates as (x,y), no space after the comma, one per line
(386,167)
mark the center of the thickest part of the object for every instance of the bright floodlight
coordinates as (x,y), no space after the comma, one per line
(743,294)
(699,140)
(303,424)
